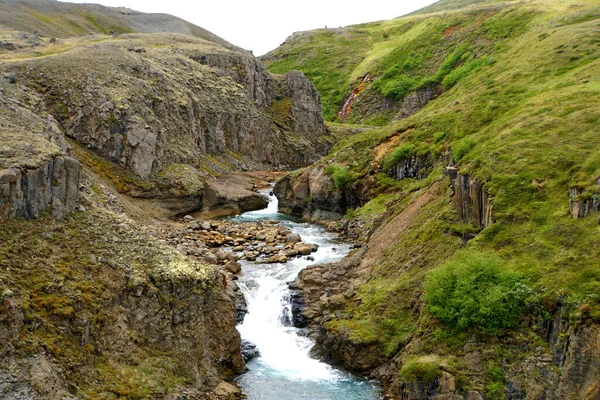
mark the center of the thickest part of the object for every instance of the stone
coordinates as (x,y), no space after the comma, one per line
(238,248)
(227,390)
(221,255)
(206,226)
(188,218)
(291,253)
(195,226)
(293,238)
(232,256)
(211,259)
(305,250)
(249,351)
(269,239)
(233,267)
(7,152)
(10,77)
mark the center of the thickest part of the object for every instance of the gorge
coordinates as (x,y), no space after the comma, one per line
(439,174)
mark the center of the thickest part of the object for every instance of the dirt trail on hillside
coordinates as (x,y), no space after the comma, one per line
(385,235)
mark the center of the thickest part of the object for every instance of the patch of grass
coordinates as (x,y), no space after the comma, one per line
(461,148)
(342,177)
(399,154)
(422,369)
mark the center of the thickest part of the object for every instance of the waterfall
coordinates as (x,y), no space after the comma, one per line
(284,370)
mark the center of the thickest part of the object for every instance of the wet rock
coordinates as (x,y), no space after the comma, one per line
(304,249)
(249,350)
(293,238)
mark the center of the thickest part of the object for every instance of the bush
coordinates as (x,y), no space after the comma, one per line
(399,154)
(460,148)
(420,369)
(462,72)
(399,87)
(450,62)
(341,176)
(473,291)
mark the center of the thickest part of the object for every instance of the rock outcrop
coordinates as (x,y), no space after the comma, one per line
(36,172)
(414,101)
(312,194)
(114,309)
(415,167)
(26,194)
(471,202)
(581,204)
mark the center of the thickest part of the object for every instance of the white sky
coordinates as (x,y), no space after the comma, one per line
(262,25)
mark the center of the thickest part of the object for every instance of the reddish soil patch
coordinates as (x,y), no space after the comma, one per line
(388,233)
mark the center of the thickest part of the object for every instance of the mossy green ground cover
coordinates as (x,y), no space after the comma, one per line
(519,113)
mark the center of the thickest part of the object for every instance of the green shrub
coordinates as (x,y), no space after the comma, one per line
(462,72)
(460,148)
(341,176)
(399,87)
(399,154)
(450,62)
(473,291)
(420,369)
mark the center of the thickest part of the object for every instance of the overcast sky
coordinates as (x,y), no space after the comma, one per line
(262,25)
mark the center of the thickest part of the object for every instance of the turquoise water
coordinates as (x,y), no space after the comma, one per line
(285,371)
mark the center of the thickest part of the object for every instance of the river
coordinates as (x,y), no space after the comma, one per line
(284,370)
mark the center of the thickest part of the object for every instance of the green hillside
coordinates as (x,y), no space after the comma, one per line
(413,52)
(518,113)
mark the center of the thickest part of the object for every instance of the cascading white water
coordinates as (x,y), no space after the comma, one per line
(284,370)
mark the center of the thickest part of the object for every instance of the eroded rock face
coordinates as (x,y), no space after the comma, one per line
(414,167)
(471,201)
(169,310)
(581,206)
(25,194)
(180,104)
(313,195)
(36,172)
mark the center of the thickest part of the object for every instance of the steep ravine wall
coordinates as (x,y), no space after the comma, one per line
(27,193)
(184,104)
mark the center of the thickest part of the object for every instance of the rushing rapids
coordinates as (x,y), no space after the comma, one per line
(284,370)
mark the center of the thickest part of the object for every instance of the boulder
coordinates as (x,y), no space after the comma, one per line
(233,267)
(293,238)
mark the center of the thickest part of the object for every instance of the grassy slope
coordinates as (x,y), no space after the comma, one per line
(526,124)
(403,54)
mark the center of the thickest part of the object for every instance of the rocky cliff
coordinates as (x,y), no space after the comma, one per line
(164,115)
(144,104)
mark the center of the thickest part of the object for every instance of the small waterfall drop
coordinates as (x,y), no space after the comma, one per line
(284,370)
